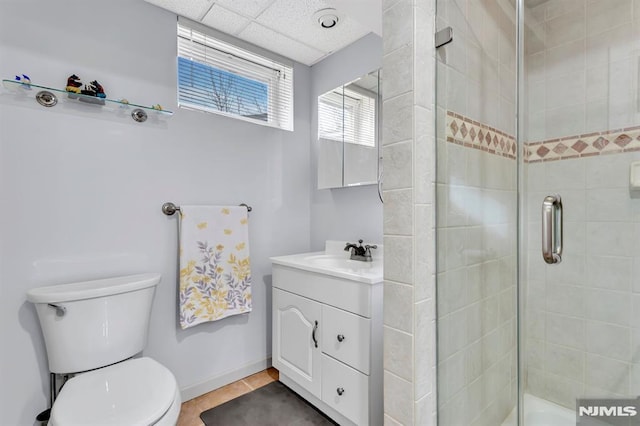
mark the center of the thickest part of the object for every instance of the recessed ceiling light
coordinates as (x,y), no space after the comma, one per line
(327,18)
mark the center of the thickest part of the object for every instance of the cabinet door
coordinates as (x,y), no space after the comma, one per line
(296,339)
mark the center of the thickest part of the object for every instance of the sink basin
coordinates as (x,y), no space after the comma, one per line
(335,261)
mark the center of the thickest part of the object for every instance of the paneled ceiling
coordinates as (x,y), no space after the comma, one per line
(286,27)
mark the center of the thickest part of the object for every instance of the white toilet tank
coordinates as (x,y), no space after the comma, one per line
(92,324)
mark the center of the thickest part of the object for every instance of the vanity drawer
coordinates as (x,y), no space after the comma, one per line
(345,390)
(346,337)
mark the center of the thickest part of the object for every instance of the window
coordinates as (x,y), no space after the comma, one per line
(215,76)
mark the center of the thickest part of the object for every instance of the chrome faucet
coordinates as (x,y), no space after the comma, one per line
(360,252)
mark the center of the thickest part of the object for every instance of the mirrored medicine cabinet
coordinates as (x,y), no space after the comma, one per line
(348,133)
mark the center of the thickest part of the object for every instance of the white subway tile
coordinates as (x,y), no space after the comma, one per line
(614,273)
(565,331)
(425,349)
(614,239)
(397,26)
(565,28)
(560,7)
(607,374)
(452,290)
(398,353)
(398,119)
(399,64)
(608,306)
(562,391)
(608,340)
(398,399)
(397,161)
(609,171)
(609,205)
(456,91)
(565,121)
(566,174)
(573,237)
(455,248)
(565,59)
(600,14)
(396,201)
(566,89)
(425,410)
(398,259)
(398,301)
(452,376)
(565,299)
(610,46)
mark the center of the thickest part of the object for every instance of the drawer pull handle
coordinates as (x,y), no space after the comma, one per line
(340,391)
(313,334)
(340,337)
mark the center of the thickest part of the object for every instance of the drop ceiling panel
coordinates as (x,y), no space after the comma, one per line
(192,9)
(278,43)
(250,8)
(367,12)
(286,27)
(294,18)
(225,20)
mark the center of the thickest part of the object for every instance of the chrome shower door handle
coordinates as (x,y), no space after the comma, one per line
(552,229)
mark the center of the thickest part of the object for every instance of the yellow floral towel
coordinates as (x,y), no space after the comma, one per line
(215,272)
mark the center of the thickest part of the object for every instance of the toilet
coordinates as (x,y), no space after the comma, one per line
(94,329)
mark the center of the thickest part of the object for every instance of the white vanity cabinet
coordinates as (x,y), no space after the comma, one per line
(327,341)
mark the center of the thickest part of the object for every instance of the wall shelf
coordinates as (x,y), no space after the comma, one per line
(33,95)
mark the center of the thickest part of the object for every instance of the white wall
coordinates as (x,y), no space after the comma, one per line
(343,213)
(82,195)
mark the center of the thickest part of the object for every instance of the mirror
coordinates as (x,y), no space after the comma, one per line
(348,122)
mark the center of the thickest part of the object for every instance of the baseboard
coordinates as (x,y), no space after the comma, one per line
(193,391)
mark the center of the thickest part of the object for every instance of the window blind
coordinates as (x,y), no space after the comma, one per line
(217,77)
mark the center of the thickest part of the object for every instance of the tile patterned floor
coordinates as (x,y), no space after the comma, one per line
(190,411)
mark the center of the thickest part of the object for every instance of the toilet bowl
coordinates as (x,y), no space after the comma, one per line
(96,330)
(136,392)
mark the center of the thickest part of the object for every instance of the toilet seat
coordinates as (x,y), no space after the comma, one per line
(135,392)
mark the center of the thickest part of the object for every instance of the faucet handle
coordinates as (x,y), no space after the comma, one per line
(367,249)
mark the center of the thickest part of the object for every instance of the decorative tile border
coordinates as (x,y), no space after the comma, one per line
(464,131)
(598,143)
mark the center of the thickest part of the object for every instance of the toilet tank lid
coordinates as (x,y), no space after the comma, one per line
(91,289)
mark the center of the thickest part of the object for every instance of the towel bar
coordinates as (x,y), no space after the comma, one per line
(170,208)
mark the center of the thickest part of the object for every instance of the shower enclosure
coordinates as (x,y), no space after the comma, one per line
(537,100)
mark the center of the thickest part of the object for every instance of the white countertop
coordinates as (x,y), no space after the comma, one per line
(334,261)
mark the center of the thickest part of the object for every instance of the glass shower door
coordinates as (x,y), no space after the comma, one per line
(580,135)
(476,216)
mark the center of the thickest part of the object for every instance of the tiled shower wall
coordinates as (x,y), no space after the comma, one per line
(582,317)
(409,162)
(476,213)
(581,61)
